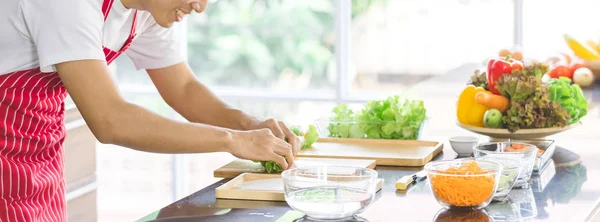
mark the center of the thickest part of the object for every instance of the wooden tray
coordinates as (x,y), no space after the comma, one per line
(384,152)
(237,167)
(522,134)
(267,187)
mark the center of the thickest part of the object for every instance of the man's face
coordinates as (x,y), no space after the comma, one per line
(166,12)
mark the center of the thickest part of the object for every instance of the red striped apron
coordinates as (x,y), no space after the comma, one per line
(32,187)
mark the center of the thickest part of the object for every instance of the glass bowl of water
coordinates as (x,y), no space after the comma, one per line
(329,192)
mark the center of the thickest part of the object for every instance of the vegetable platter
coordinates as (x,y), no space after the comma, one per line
(512,99)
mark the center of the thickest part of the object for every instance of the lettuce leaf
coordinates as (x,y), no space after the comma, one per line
(569,97)
(393,118)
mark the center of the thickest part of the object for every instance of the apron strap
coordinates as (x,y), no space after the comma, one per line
(106,6)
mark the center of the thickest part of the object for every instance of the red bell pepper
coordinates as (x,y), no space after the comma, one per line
(498,67)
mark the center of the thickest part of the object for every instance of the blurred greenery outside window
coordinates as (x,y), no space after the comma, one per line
(285,45)
(281,45)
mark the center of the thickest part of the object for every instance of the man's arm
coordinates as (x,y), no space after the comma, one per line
(183,92)
(195,102)
(115,121)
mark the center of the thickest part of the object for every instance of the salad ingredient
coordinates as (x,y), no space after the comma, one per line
(310,137)
(506,180)
(393,118)
(296,130)
(518,86)
(536,69)
(560,71)
(479,79)
(569,97)
(583,77)
(530,114)
(463,191)
(499,67)
(492,101)
(468,111)
(270,166)
(540,152)
(516,148)
(493,119)
(581,50)
(574,67)
(530,105)
(343,125)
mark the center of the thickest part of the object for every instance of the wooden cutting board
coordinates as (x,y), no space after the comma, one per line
(237,167)
(384,152)
(258,186)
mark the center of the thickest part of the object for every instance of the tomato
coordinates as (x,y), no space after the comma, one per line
(560,71)
(573,67)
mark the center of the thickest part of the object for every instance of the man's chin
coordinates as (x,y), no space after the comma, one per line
(166,24)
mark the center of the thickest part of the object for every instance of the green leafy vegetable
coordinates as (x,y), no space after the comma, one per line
(518,86)
(393,118)
(311,136)
(343,125)
(536,69)
(569,97)
(270,166)
(296,130)
(530,105)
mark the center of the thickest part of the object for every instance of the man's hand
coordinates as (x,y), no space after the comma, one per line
(280,130)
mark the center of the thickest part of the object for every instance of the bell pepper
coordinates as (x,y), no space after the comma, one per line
(468,111)
(499,67)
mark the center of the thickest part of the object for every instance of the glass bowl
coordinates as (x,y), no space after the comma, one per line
(448,215)
(329,192)
(511,169)
(463,183)
(369,129)
(525,153)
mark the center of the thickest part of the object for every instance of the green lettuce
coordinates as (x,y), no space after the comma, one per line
(569,97)
(343,125)
(311,137)
(393,118)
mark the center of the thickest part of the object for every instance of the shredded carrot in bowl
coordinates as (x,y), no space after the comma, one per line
(467,185)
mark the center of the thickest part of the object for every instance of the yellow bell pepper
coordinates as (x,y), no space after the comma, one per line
(468,111)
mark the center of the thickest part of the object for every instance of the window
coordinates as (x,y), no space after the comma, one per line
(294,60)
(545,22)
(396,44)
(265,44)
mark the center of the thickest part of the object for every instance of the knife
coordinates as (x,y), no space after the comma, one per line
(403,182)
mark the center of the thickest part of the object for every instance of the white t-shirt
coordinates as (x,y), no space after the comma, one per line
(42,33)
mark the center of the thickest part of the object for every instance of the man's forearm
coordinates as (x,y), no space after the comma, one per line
(194,101)
(200,105)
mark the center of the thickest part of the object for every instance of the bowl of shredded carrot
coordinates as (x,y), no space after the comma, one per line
(463,183)
(449,215)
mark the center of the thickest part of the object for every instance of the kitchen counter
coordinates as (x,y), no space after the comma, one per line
(568,192)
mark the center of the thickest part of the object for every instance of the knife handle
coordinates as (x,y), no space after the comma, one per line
(403,182)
